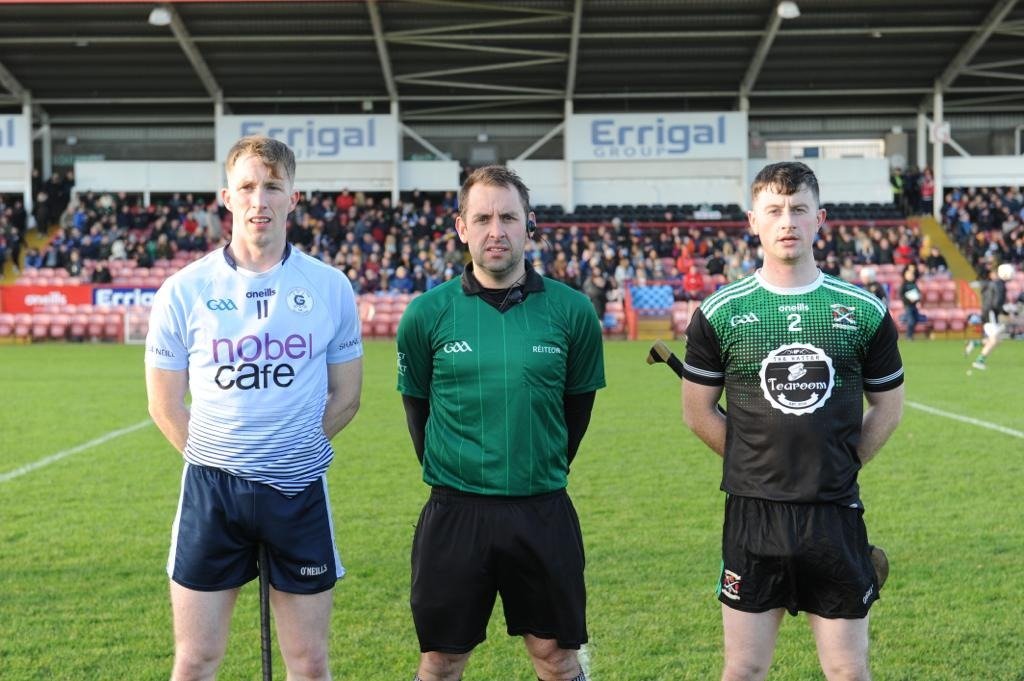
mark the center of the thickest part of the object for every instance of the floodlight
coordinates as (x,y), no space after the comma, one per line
(788,9)
(159,17)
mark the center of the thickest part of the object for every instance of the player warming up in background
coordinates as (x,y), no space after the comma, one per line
(267,341)
(796,352)
(993,300)
(498,370)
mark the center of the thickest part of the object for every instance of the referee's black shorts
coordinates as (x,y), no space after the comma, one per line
(469,548)
(813,558)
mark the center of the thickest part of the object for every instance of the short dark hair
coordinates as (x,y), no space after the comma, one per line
(495,176)
(274,153)
(786,178)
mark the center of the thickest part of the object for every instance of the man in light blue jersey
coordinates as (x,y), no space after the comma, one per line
(267,342)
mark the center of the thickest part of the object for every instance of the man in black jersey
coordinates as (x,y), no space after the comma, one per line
(796,353)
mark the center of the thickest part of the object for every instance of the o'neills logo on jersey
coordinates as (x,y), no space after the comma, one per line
(257,362)
(797,379)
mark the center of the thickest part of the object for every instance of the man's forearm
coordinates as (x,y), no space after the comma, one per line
(880,420)
(338,414)
(173,423)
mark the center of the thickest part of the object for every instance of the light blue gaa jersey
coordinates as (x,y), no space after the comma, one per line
(256,347)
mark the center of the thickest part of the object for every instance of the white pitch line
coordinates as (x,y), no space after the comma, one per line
(967,419)
(47,460)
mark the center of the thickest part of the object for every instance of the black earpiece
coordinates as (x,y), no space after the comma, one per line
(531,227)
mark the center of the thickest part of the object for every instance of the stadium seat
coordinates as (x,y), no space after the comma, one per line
(382,324)
(41,326)
(23,325)
(59,324)
(79,327)
(113,326)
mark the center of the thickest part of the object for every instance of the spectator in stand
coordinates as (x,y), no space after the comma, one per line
(935,263)
(831,265)
(74,264)
(33,258)
(734,268)
(848,271)
(693,284)
(871,284)
(716,263)
(401,282)
(596,289)
(41,213)
(885,252)
(927,192)
(904,253)
(101,273)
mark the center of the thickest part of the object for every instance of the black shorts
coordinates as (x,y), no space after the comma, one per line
(469,548)
(810,557)
(222,519)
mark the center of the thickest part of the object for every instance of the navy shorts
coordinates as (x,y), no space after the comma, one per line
(469,548)
(222,519)
(813,558)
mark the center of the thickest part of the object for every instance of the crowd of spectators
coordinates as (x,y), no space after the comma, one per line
(987,224)
(413,246)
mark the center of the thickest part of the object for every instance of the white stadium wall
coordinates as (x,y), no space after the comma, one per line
(651,182)
(545,179)
(12,177)
(983,171)
(429,176)
(147,176)
(842,180)
(15,155)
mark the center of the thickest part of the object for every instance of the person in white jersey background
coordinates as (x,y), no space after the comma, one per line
(267,342)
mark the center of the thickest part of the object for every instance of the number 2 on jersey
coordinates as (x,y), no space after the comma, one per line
(794,322)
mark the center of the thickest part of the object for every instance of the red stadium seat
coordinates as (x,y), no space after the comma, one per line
(23,325)
(41,326)
(382,324)
(6,324)
(94,330)
(79,328)
(113,326)
(59,325)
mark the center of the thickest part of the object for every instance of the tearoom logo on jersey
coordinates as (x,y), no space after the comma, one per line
(797,379)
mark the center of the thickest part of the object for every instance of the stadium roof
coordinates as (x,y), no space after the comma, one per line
(451,60)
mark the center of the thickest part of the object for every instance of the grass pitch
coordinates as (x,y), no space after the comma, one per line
(84,539)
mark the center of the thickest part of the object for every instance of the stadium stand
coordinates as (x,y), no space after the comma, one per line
(649,254)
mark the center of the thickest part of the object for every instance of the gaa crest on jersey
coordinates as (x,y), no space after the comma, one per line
(797,378)
(300,300)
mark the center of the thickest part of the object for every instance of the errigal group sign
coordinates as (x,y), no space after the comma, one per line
(317,138)
(657,136)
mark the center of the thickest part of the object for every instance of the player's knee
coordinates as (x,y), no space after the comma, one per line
(195,663)
(442,666)
(551,662)
(309,662)
(744,670)
(847,670)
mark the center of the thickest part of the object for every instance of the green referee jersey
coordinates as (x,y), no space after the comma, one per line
(795,364)
(495,382)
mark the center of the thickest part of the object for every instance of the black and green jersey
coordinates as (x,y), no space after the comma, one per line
(495,382)
(795,364)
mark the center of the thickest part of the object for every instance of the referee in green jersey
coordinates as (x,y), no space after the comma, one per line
(498,369)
